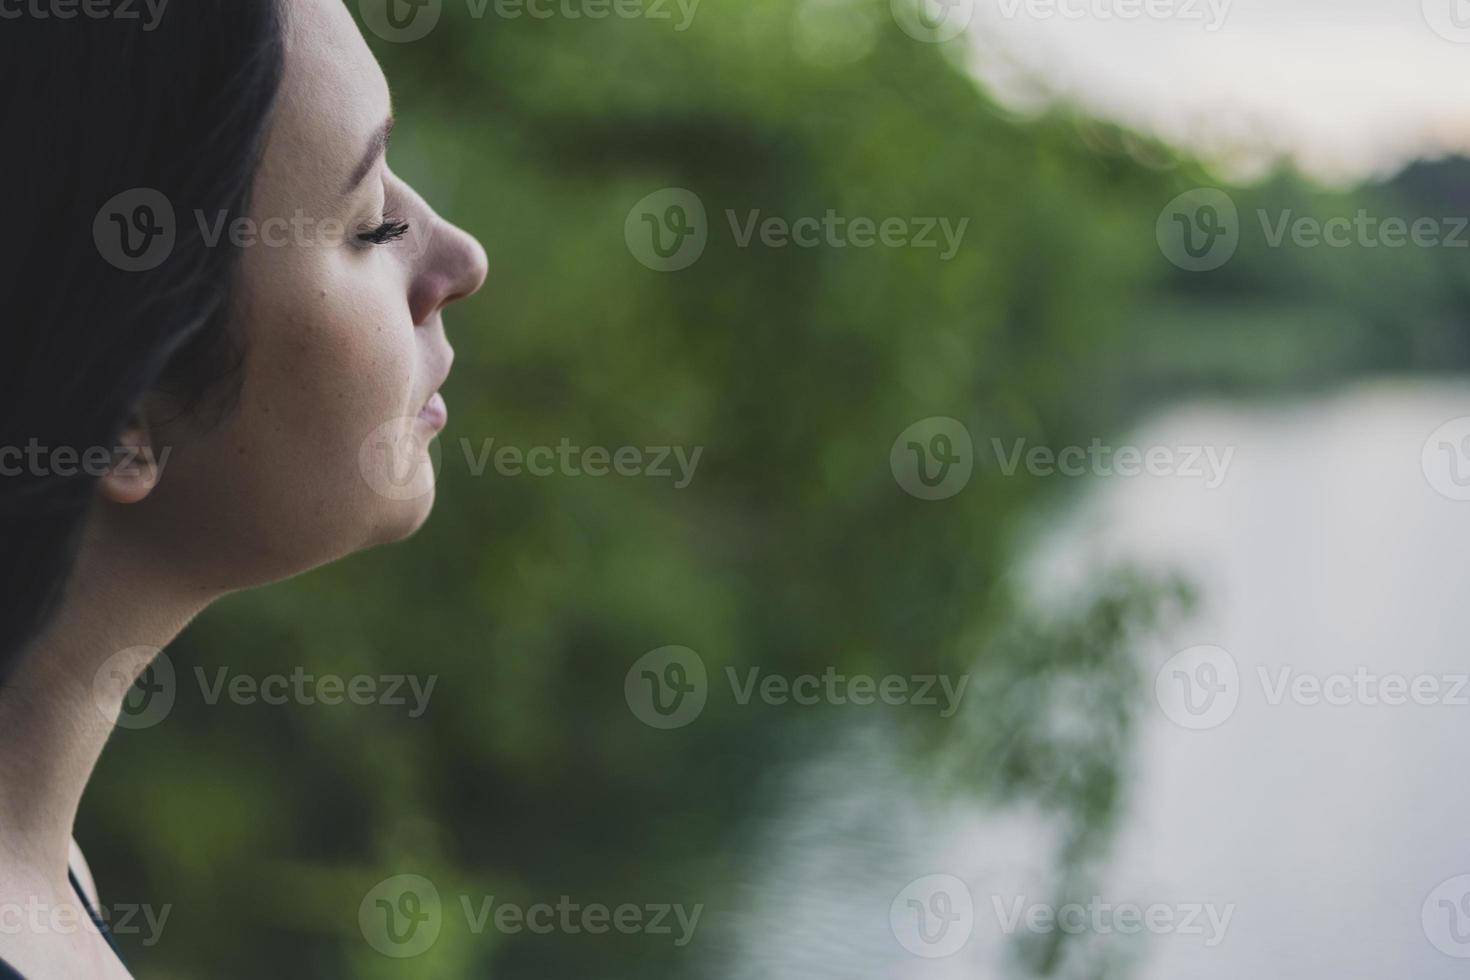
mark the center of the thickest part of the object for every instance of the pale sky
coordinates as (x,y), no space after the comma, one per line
(1348,88)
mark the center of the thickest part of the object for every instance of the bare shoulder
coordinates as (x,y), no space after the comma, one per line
(84,873)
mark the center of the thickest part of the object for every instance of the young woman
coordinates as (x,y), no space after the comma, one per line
(221,345)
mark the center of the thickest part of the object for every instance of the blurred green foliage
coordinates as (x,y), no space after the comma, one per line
(794,549)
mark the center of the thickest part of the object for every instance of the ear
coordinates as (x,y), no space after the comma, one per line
(135,468)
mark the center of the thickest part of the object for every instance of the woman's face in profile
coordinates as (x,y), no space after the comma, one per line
(340,318)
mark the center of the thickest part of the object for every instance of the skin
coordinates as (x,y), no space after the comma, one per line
(324,453)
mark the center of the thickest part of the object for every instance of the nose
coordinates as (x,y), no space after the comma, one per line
(454,267)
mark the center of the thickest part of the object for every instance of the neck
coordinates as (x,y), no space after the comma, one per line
(60,705)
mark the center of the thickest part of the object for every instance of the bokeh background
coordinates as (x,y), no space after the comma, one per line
(1061,318)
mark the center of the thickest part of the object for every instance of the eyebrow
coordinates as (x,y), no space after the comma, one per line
(377,146)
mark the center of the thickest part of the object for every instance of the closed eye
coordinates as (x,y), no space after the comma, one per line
(391,230)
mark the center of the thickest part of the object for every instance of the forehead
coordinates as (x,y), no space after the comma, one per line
(332,98)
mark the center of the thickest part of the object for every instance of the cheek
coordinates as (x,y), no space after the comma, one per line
(320,456)
(326,364)
(336,371)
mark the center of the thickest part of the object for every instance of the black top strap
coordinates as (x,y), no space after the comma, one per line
(97,920)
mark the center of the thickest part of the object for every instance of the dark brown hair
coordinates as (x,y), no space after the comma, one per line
(104,116)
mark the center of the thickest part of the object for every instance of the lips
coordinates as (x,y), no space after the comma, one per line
(435,413)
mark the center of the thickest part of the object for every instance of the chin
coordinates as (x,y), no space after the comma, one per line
(402,519)
(417,518)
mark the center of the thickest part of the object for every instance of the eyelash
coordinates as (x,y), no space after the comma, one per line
(391,230)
